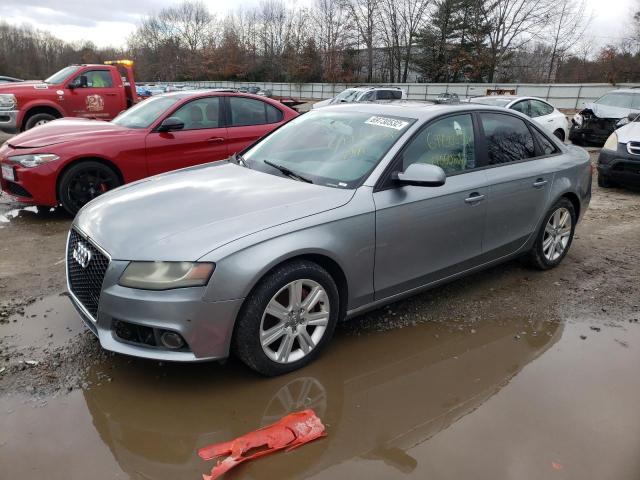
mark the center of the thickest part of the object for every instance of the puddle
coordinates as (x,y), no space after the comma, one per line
(420,402)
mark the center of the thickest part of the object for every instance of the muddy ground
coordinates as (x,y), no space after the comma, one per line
(510,373)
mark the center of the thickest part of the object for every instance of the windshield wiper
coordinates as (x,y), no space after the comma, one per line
(288,172)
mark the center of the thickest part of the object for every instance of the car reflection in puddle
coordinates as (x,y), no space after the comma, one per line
(379,396)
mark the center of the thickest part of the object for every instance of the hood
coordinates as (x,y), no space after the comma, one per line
(607,111)
(183,215)
(629,133)
(27,85)
(65,130)
(323,103)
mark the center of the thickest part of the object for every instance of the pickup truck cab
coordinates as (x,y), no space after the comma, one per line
(87,91)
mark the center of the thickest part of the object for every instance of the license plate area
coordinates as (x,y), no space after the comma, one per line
(8,173)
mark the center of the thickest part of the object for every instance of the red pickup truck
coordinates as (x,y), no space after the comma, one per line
(89,91)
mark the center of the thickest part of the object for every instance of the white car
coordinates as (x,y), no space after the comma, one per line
(541,112)
(364,94)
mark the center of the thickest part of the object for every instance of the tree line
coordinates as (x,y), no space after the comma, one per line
(350,41)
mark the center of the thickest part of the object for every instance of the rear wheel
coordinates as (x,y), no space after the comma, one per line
(288,319)
(555,236)
(38,119)
(83,182)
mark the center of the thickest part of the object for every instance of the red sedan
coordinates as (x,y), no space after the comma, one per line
(70,161)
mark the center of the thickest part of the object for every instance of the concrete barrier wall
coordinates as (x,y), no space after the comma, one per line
(566,96)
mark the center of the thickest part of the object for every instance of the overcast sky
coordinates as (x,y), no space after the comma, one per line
(109,22)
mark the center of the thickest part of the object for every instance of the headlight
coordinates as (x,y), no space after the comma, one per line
(8,101)
(611,143)
(166,275)
(577,118)
(33,160)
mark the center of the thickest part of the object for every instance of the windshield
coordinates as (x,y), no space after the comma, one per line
(622,100)
(145,113)
(347,95)
(335,149)
(62,75)
(496,102)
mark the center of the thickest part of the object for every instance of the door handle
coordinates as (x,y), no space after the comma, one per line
(475,197)
(541,182)
(216,139)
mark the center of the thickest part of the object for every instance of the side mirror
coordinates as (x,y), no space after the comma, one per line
(421,175)
(633,116)
(170,124)
(79,82)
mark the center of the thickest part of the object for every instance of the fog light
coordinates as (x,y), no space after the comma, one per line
(171,340)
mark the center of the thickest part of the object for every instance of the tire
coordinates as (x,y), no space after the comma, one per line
(604,182)
(83,182)
(559,134)
(275,289)
(38,119)
(544,256)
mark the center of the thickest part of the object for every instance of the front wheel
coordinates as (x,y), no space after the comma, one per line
(288,319)
(38,119)
(555,236)
(85,181)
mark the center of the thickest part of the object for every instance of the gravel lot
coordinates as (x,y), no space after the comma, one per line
(509,373)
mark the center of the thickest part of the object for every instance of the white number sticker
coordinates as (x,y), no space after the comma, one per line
(387,122)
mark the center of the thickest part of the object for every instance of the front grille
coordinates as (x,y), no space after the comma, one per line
(633,148)
(18,190)
(86,282)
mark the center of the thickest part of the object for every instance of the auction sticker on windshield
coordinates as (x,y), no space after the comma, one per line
(7,173)
(387,122)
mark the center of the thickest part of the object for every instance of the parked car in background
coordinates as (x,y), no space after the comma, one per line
(364,94)
(542,112)
(10,79)
(597,120)
(619,159)
(447,98)
(341,210)
(143,92)
(72,161)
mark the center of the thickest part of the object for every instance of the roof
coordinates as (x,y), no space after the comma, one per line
(407,108)
(625,90)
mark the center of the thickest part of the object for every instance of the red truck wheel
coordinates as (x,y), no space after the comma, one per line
(38,119)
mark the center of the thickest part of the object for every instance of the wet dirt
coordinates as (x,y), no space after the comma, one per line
(509,373)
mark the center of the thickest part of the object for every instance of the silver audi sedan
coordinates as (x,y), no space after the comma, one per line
(339,211)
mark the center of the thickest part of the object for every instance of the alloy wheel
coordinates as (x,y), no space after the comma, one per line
(294,321)
(89,184)
(557,233)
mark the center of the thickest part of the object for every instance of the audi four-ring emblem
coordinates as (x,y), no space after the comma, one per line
(82,254)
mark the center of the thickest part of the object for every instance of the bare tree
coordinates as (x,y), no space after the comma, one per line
(567,24)
(513,24)
(331,32)
(364,14)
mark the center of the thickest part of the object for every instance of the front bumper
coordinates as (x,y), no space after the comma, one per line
(205,326)
(580,135)
(620,165)
(9,121)
(35,186)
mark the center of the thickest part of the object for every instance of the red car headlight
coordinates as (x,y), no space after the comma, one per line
(33,160)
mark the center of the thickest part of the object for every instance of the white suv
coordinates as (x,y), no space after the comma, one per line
(364,94)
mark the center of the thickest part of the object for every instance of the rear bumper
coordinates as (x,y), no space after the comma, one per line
(9,121)
(620,166)
(206,327)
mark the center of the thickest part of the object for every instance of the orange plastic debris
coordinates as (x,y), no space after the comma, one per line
(288,433)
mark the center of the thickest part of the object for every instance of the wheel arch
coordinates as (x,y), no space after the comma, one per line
(36,109)
(575,201)
(76,161)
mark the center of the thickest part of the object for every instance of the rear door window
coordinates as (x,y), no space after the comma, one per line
(249,111)
(447,143)
(508,139)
